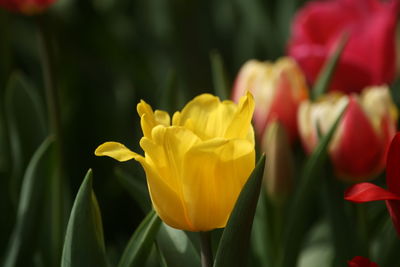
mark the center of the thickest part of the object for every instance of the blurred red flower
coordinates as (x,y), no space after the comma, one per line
(369,57)
(27,7)
(365,192)
(359,261)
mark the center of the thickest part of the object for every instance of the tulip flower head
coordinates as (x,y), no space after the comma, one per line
(278,89)
(197,165)
(371,25)
(359,261)
(358,148)
(27,7)
(366,192)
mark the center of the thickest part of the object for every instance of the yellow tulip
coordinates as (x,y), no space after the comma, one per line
(196,166)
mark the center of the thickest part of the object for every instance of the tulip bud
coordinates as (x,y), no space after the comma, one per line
(278,174)
(278,89)
(358,148)
(26,7)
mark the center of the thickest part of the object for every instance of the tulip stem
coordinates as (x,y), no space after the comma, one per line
(206,253)
(52,97)
(54,121)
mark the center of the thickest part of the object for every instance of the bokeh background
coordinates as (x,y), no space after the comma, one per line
(109,55)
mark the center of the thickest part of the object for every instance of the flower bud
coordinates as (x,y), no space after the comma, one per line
(278,174)
(358,148)
(278,89)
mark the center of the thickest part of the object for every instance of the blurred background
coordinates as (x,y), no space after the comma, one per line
(107,56)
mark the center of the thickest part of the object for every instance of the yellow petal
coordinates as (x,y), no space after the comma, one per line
(166,201)
(209,118)
(117,151)
(241,122)
(150,119)
(214,174)
(165,155)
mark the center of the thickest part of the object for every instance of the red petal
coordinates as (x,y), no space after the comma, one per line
(360,151)
(393,165)
(366,192)
(359,261)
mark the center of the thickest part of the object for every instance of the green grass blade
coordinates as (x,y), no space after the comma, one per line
(328,70)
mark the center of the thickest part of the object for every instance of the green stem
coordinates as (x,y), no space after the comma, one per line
(206,252)
(52,97)
(54,117)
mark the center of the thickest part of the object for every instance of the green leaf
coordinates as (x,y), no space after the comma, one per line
(262,238)
(342,226)
(136,188)
(176,247)
(139,246)
(300,213)
(84,241)
(23,239)
(233,247)
(326,74)
(26,124)
(219,77)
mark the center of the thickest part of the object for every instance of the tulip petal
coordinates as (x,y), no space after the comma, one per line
(166,201)
(241,121)
(208,118)
(218,170)
(358,151)
(150,119)
(117,151)
(393,165)
(365,192)
(164,158)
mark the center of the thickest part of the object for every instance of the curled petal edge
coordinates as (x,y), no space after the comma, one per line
(365,192)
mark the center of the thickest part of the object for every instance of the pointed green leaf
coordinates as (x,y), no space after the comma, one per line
(219,77)
(26,125)
(233,247)
(176,247)
(139,246)
(327,72)
(23,239)
(84,241)
(300,216)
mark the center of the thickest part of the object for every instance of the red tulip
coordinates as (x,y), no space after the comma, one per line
(358,148)
(369,57)
(359,261)
(27,7)
(278,89)
(365,192)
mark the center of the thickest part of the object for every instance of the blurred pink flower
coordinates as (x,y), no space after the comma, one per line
(369,57)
